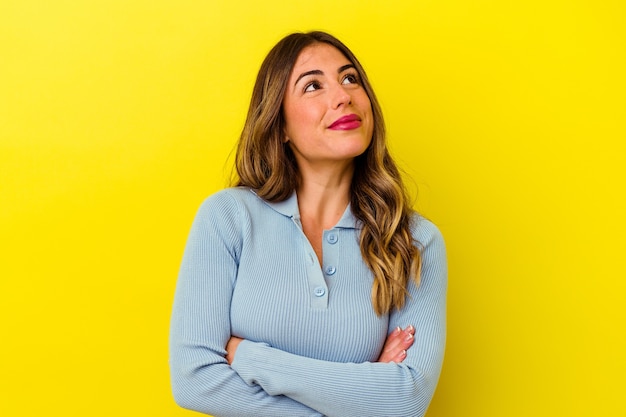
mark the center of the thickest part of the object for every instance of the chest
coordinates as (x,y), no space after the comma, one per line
(285,296)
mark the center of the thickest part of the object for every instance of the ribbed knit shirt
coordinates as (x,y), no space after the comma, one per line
(311,335)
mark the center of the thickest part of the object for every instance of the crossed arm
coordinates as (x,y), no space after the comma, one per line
(394,350)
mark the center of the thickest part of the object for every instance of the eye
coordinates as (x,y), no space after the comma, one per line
(350,79)
(312,86)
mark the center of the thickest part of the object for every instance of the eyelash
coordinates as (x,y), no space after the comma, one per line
(312,84)
(353,76)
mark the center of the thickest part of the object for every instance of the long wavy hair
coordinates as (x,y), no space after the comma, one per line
(265,162)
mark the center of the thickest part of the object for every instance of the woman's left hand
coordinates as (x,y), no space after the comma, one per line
(396,345)
(231,348)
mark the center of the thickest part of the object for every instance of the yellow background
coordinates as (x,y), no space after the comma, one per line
(118,117)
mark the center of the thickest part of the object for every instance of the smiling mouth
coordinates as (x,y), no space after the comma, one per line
(349,122)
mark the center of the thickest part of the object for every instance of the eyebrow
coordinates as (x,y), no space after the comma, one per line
(319,72)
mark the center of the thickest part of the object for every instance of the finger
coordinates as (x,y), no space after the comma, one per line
(400,356)
(393,340)
(395,333)
(397,352)
(404,339)
(407,341)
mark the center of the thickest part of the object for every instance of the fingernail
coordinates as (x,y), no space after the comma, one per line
(397,330)
(408,337)
(410,329)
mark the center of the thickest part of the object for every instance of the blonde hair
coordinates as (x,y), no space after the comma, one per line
(378,200)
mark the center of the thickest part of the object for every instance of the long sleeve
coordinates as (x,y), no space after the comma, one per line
(201,378)
(367,389)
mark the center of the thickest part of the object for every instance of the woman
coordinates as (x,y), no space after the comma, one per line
(311,288)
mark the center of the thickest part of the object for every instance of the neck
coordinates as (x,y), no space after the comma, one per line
(323,195)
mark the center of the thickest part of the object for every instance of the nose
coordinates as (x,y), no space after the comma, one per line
(340,97)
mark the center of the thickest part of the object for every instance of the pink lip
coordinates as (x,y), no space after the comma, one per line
(349,122)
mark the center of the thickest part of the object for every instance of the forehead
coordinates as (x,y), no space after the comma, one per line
(316,56)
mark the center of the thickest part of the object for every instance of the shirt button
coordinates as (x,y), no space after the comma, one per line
(330,270)
(332,238)
(319,291)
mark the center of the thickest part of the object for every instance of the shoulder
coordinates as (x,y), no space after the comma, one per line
(432,248)
(425,232)
(223,206)
(239,205)
(229,200)
(230,195)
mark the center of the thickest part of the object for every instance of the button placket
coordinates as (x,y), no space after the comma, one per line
(318,290)
(331,250)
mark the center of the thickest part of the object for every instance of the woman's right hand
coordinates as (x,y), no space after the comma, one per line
(396,345)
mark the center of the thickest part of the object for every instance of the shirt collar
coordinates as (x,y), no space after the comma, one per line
(289,208)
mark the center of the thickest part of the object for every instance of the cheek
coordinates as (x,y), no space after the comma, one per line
(370,118)
(291,124)
(292,114)
(301,119)
(370,128)
(365,105)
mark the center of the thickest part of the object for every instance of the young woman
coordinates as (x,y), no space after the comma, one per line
(311,288)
